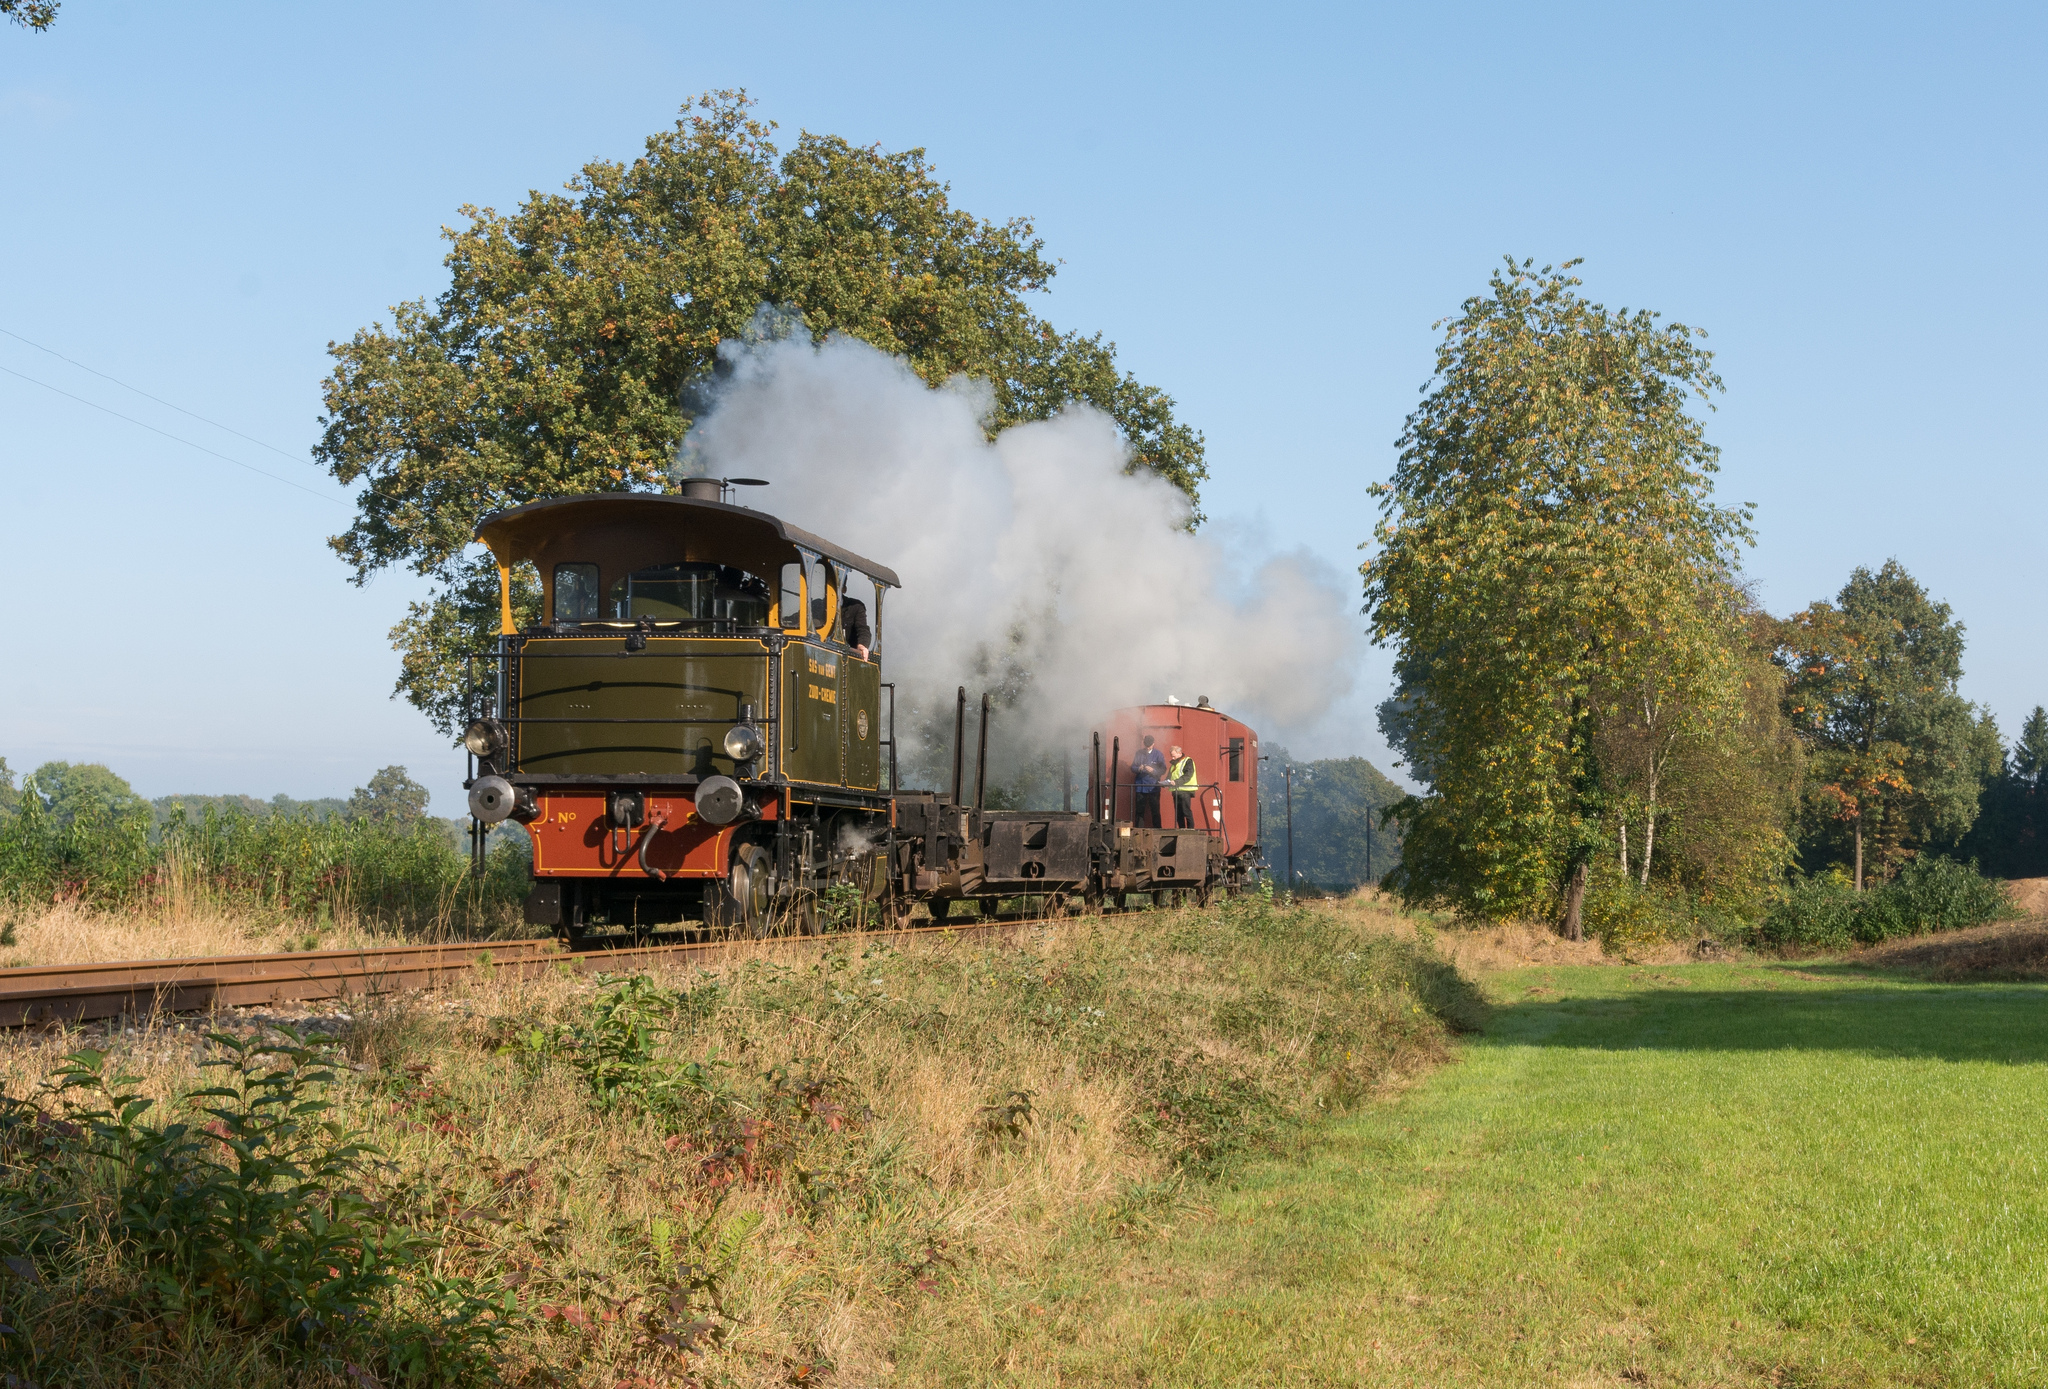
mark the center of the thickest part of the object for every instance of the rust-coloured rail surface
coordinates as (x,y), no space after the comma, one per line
(79,993)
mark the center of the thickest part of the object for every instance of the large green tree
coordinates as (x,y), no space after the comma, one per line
(563,356)
(71,789)
(1549,555)
(1702,782)
(392,798)
(2010,838)
(1898,757)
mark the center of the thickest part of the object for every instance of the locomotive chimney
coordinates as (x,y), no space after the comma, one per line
(703,489)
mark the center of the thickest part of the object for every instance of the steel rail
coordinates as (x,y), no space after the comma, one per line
(50,994)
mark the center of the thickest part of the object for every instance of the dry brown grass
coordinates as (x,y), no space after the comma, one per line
(1153,1049)
(67,933)
(1505,945)
(187,920)
(2004,950)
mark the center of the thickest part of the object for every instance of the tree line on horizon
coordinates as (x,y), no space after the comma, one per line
(64,791)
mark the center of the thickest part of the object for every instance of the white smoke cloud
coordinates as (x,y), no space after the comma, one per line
(1032,564)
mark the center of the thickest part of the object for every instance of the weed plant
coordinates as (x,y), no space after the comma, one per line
(1819,913)
(764,1174)
(1929,894)
(1628,917)
(235,1230)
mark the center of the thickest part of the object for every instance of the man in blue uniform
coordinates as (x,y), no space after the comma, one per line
(1148,769)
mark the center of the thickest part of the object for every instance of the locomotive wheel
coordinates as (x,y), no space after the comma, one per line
(749,894)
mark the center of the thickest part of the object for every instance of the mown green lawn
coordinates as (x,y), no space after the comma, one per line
(1704,1174)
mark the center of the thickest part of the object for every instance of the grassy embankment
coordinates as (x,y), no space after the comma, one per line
(790,1169)
(1760,1173)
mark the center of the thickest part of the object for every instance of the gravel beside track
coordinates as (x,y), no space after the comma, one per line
(49,994)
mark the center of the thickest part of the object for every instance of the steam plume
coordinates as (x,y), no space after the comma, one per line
(1032,564)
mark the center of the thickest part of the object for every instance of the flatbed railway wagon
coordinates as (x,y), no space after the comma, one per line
(949,848)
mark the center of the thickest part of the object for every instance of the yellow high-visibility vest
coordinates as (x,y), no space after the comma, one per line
(1181,776)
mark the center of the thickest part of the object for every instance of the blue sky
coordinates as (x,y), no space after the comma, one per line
(1266,209)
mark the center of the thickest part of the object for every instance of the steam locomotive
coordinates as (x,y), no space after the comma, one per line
(699,734)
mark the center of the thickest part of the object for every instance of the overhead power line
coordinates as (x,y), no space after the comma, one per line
(168,435)
(282,453)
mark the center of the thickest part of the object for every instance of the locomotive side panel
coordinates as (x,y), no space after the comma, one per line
(811,743)
(860,721)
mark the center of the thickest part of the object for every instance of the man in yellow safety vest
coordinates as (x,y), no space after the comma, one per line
(1181,776)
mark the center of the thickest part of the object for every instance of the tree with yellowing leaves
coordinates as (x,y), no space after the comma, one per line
(1549,561)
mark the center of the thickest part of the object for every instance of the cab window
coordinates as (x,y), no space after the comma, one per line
(697,593)
(576,596)
(791,615)
(1237,759)
(858,621)
(820,576)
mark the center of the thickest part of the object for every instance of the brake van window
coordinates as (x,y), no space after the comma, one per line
(690,593)
(576,597)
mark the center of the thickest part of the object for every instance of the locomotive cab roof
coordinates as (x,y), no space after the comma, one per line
(625,531)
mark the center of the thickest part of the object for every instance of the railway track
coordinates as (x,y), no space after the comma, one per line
(41,995)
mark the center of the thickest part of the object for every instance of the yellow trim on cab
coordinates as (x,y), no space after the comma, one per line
(505,626)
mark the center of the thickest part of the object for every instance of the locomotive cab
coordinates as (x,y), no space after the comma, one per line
(694,728)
